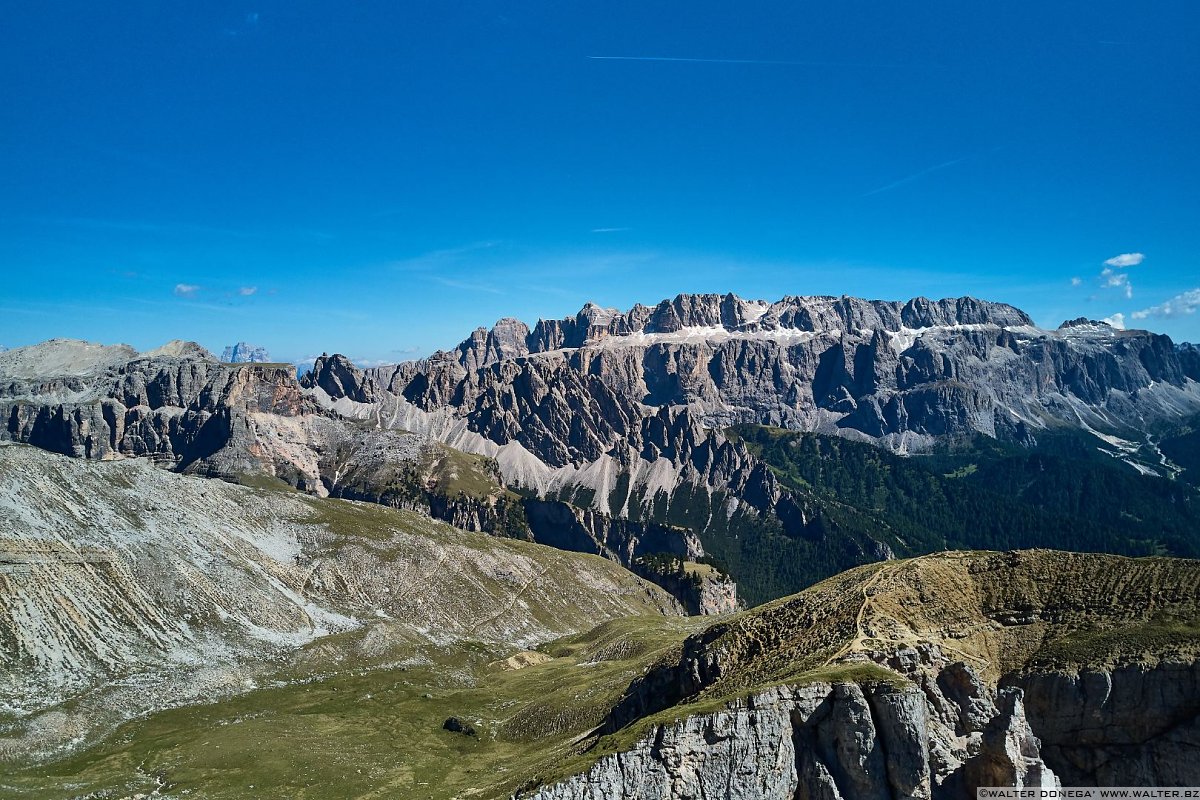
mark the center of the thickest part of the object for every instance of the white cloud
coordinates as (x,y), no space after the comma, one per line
(1180,304)
(1116,320)
(186,289)
(246,291)
(1125,260)
(1076,281)
(1117,280)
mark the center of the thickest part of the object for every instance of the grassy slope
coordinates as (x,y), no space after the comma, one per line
(375,733)
(378,733)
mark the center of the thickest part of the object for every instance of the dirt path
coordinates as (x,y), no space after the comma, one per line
(857,644)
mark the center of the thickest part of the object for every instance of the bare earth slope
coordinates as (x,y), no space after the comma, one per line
(125,588)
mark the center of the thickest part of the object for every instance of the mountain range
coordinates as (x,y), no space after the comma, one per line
(626,434)
(717,453)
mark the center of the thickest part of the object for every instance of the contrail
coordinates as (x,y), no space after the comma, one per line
(735,61)
(913,177)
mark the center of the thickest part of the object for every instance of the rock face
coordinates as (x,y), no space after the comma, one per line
(622,413)
(841,741)
(821,740)
(243,353)
(338,377)
(583,530)
(705,593)
(177,405)
(865,690)
(617,415)
(905,374)
(1132,725)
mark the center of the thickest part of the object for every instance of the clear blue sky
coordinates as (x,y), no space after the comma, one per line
(377,178)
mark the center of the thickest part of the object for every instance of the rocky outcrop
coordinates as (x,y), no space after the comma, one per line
(339,378)
(732,313)
(823,740)
(189,412)
(1189,359)
(919,680)
(177,405)
(506,339)
(936,735)
(569,527)
(701,592)
(851,740)
(1136,724)
(1009,754)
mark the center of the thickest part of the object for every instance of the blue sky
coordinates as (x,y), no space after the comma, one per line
(377,178)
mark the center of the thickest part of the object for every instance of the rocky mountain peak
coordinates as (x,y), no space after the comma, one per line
(245,353)
(179,348)
(62,357)
(806,313)
(338,376)
(507,339)
(1083,322)
(729,313)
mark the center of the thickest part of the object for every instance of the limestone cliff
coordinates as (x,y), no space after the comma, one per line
(920,679)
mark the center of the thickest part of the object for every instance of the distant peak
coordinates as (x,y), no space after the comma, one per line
(1082,322)
(180,348)
(245,353)
(61,357)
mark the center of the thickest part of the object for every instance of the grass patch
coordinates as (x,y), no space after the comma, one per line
(264,482)
(368,733)
(1096,648)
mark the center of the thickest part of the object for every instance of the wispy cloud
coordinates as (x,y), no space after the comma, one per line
(1179,305)
(48,310)
(1116,280)
(1116,320)
(609,230)
(441,259)
(1110,278)
(186,289)
(249,24)
(469,286)
(1077,281)
(914,176)
(247,291)
(1125,260)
